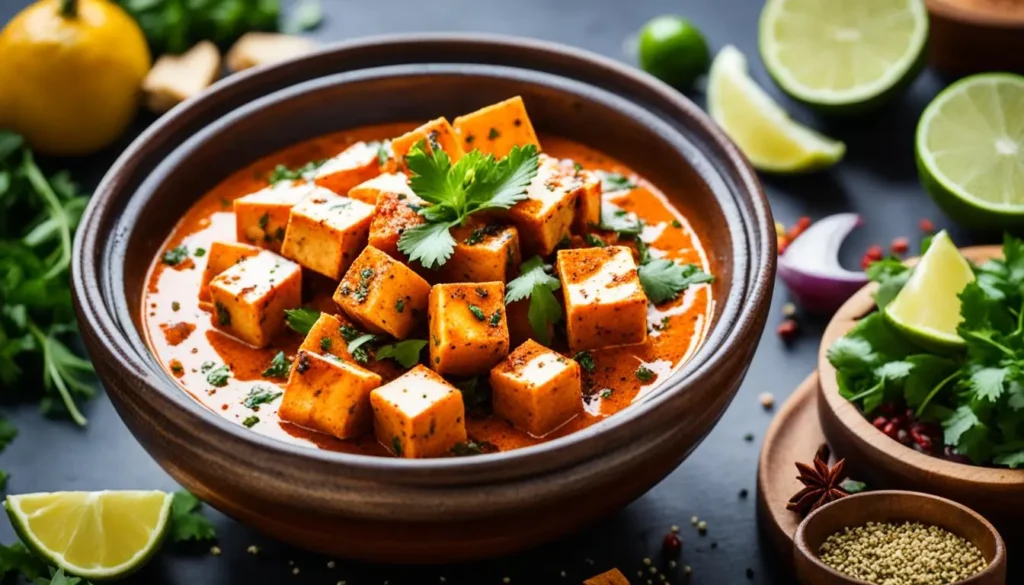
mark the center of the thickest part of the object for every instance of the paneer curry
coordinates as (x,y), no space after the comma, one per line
(434,290)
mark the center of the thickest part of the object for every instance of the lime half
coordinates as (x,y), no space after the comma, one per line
(927,309)
(843,57)
(94,535)
(760,127)
(970,150)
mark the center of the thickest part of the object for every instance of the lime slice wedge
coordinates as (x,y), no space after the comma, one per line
(843,57)
(927,309)
(970,150)
(94,535)
(760,127)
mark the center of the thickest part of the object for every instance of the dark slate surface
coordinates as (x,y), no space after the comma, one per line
(878,180)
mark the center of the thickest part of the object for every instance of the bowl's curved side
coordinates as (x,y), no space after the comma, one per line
(996,492)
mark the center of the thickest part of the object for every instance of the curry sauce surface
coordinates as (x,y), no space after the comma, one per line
(182,335)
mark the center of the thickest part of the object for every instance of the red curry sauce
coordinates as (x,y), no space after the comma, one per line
(182,335)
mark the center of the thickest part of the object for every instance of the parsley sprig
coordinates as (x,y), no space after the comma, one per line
(537,284)
(977,395)
(477,182)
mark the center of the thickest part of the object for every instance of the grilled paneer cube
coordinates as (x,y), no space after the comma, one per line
(588,203)
(605,305)
(396,183)
(418,415)
(468,328)
(496,128)
(391,218)
(536,389)
(250,298)
(326,232)
(354,165)
(329,395)
(546,215)
(382,294)
(220,257)
(261,218)
(436,133)
(484,252)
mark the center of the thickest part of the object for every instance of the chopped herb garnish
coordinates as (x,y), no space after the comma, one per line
(199,252)
(477,312)
(325,343)
(175,256)
(663,279)
(586,361)
(250,421)
(606,393)
(493,133)
(644,374)
(260,395)
(477,235)
(616,219)
(406,353)
(676,224)
(223,315)
(363,290)
(279,367)
(535,283)
(217,376)
(400,305)
(495,319)
(396,445)
(349,333)
(594,241)
(301,320)
(306,171)
(611,182)
(357,347)
(577,166)
(472,447)
(175,306)
(263,221)
(384,152)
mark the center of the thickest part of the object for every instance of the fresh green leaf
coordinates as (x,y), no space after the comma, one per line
(187,522)
(301,320)
(358,347)
(57,577)
(218,376)
(663,280)
(852,486)
(406,353)
(279,367)
(260,395)
(1012,460)
(471,447)
(989,383)
(611,182)
(544,311)
(586,361)
(429,244)
(644,374)
(614,218)
(250,421)
(955,426)
(16,559)
(890,274)
(532,273)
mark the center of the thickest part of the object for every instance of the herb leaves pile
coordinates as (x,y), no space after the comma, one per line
(536,284)
(477,182)
(977,395)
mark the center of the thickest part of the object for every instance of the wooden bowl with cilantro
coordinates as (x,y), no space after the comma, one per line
(944,421)
(389,506)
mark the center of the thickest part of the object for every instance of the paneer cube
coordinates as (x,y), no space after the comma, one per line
(329,395)
(250,298)
(605,305)
(220,257)
(484,252)
(496,128)
(546,215)
(261,218)
(536,389)
(436,133)
(326,232)
(418,415)
(588,203)
(382,294)
(354,165)
(468,327)
(396,183)
(391,218)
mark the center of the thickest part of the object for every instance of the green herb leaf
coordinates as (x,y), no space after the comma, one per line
(218,376)
(301,173)
(663,280)
(586,361)
(614,218)
(260,395)
(429,244)
(251,421)
(279,367)
(17,559)
(406,353)
(187,522)
(535,283)
(472,447)
(357,347)
(644,374)
(611,182)
(175,256)
(301,320)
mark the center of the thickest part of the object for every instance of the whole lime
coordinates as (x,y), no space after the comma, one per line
(673,50)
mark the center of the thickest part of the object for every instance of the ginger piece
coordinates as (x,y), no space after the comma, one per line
(176,78)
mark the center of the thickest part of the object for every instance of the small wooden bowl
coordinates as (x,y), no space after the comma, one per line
(997,493)
(968,37)
(894,506)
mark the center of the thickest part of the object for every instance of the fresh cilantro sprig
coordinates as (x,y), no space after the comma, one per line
(301,320)
(662,279)
(279,367)
(406,353)
(976,395)
(536,284)
(477,182)
(187,520)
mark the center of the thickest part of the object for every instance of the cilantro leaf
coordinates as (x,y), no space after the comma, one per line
(504,183)
(663,279)
(430,244)
(532,273)
(301,320)
(614,218)
(963,420)
(57,577)
(1012,460)
(279,367)
(535,283)
(611,182)
(890,274)
(187,521)
(989,383)
(260,395)
(406,353)
(357,347)
(17,559)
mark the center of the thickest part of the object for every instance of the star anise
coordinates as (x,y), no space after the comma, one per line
(822,484)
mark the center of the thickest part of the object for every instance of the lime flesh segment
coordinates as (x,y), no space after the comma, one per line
(95,535)
(843,55)
(760,127)
(927,309)
(970,149)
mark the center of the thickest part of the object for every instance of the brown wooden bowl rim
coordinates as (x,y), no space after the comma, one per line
(958,13)
(750,221)
(859,305)
(800,540)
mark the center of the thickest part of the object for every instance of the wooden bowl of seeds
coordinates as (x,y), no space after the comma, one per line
(898,538)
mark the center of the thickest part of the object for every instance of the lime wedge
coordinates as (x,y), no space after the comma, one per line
(970,151)
(927,309)
(760,127)
(843,57)
(94,535)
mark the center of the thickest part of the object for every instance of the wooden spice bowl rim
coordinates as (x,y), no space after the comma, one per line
(859,509)
(959,11)
(873,443)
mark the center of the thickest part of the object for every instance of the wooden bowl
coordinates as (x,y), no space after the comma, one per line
(972,36)
(997,493)
(438,510)
(894,506)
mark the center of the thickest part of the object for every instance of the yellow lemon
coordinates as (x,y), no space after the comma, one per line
(70,74)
